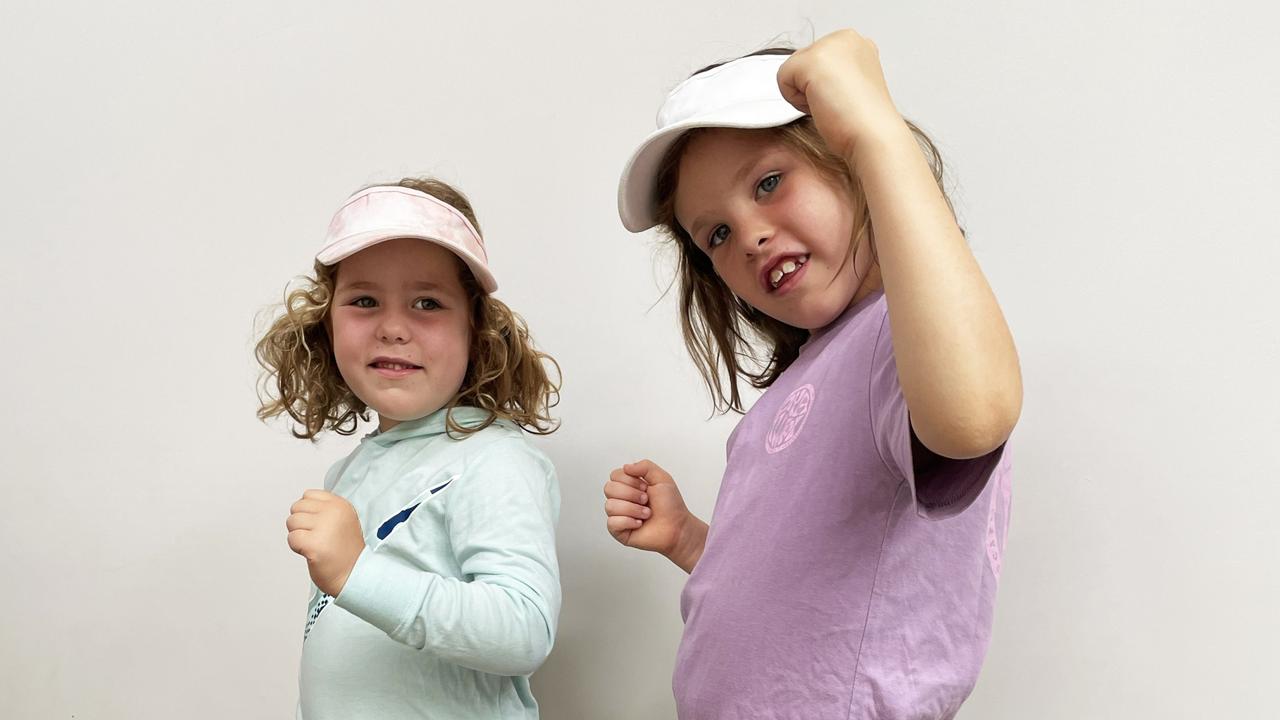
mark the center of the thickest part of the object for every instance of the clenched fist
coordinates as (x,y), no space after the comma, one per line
(324,529)
(838,80)
(644,509)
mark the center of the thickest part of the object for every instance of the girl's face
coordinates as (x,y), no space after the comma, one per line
(401,327)
(777,231)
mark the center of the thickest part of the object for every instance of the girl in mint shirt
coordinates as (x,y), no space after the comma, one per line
(432,546)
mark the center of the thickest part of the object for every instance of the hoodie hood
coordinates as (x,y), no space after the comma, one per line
(434,424)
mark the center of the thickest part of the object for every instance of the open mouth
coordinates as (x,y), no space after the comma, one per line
(784,269)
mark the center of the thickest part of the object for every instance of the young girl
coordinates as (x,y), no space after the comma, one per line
(851,565)
(432,546)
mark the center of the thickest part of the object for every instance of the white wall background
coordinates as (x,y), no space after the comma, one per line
(167,167)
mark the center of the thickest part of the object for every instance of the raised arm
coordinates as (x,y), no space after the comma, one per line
(956,358)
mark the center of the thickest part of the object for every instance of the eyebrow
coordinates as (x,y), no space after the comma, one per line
(370,285)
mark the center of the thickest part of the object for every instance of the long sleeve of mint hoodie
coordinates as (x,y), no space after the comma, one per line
(460,560)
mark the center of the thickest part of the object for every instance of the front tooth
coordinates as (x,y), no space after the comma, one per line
(789,267)
(775,276)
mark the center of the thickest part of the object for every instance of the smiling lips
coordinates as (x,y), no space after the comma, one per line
(783,268)
(393,367)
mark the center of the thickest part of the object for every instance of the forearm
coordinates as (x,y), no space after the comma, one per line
(503,625)
(955,355)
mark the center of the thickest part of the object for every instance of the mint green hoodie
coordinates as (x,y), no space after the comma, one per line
(453,602)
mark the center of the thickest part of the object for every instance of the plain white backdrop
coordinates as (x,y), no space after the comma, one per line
(168,167)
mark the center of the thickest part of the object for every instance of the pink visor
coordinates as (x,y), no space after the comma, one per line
(388,212)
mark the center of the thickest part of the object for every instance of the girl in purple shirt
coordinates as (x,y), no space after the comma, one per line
(851,563)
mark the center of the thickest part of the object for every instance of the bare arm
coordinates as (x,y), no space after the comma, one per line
(956,360)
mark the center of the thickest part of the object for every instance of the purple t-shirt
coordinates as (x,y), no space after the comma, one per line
(836,581)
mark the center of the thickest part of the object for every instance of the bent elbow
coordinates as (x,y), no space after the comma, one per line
(974,436)
(526,655)
(534,654)
(989,429)
(530,642)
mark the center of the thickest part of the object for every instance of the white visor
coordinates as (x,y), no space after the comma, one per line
(742,93)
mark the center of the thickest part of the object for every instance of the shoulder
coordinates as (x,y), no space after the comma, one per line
(502,438)
(858,331)
(501,469)
(502,451)
(870,326)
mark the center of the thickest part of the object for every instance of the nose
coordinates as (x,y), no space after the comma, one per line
(758,234)
(393,329)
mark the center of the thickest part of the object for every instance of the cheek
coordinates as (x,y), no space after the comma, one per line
(345,333)
(449,342)
(739,278)
(463,353)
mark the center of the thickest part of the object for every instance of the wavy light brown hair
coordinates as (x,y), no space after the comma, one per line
(726,337)
(506,375)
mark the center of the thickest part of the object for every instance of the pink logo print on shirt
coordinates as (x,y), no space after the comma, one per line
(789,421)
(996,536)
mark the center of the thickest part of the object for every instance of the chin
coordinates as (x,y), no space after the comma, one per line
(815,316)
(815,310)
(404,414)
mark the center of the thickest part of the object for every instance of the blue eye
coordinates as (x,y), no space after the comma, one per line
(769,184)
(426,304)
(719,234)
(364,301)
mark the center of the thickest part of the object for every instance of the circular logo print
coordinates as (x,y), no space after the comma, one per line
(789,421)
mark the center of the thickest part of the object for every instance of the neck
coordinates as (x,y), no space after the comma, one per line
(871,282)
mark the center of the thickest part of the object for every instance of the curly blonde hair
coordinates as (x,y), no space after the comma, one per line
(726,337)
(506,375)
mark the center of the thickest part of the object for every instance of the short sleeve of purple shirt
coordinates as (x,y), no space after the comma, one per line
(947,486)
(836,582)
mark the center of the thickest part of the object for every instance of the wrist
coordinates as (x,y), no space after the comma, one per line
(689,546)
(881,140)
(340,572)
(338,582)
